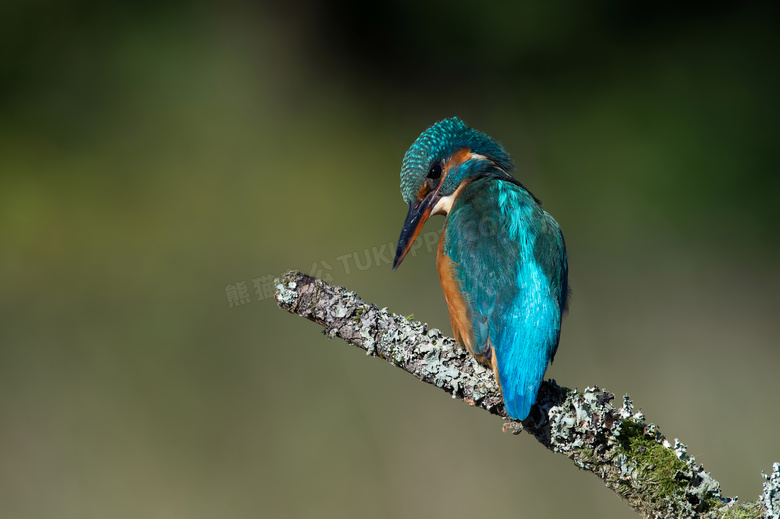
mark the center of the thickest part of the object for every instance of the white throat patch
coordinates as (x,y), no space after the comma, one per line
(444,205)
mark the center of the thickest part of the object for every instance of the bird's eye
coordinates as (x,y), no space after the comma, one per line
(435,171)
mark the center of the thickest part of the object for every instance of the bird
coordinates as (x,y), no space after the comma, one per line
(501,257)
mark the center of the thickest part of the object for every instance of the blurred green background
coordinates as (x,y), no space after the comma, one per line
(153,156)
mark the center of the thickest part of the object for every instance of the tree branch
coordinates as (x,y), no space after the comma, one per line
(631,456)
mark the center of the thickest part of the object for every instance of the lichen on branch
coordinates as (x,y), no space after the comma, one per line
(630,455)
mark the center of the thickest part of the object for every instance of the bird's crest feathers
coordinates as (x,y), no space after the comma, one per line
(439,142)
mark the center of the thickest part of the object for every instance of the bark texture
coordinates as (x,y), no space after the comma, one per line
(630,455)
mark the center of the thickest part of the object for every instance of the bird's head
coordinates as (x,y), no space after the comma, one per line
(444,157)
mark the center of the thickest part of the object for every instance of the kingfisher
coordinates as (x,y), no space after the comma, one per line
(501,258)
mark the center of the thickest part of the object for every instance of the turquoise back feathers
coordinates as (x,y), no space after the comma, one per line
(510,262)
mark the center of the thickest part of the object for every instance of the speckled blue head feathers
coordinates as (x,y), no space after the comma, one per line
(441,141)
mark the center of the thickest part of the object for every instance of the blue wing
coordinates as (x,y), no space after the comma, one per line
(510,261)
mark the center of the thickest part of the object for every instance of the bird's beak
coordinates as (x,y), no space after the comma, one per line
(414,222)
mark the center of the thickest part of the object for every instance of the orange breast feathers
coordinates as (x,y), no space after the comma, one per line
(457,304)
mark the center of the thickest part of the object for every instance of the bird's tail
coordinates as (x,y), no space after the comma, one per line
(523,352)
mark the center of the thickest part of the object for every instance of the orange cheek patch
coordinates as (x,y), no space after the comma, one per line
(457,158)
